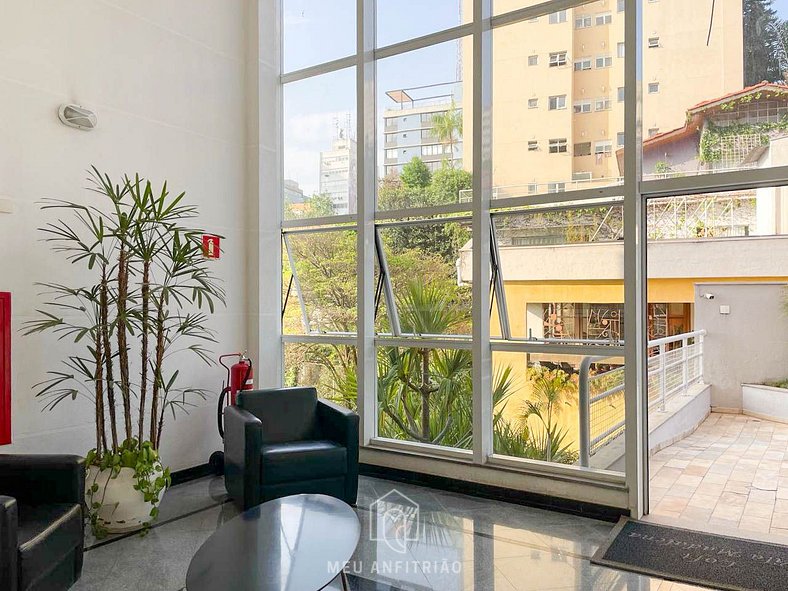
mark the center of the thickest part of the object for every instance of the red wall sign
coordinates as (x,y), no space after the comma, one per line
(5,368)
(211,247)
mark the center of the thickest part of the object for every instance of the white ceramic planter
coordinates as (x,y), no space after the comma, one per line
(123,509)
(765,402)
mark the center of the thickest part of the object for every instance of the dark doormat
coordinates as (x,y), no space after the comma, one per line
(695,557)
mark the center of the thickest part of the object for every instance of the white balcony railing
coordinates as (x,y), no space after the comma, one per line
(675,363)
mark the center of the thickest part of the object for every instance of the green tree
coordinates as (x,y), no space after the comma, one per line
(448,127)
(447,183)
(415,174)
(761,42)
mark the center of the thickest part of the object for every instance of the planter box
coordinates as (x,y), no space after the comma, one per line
(765,402)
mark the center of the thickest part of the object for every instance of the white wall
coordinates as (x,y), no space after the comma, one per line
(749,345)
(168,80)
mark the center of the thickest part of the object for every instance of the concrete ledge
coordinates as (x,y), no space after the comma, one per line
(683,415)
(765,402)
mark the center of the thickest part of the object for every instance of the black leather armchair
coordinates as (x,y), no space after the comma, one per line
(288,441)
(41,523)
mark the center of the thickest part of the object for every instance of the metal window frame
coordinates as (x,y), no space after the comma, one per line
(634,190)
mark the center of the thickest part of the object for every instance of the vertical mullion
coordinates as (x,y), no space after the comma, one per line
(366,181)
(635,302)
(482,190)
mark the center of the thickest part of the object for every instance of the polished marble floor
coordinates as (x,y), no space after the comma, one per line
(464,543)
(729,476)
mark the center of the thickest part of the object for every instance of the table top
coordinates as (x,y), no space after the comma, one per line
(296,543)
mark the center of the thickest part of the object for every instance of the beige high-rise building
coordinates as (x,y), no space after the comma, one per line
(558,96)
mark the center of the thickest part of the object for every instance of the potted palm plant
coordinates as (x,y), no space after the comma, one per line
(145,303)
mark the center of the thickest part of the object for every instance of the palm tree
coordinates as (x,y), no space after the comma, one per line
(447,126)
(420,386)
(552,390)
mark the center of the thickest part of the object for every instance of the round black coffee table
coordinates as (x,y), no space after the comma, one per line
(297,543)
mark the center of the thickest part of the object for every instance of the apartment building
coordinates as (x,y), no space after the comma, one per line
(338,174)
(558,86)
(408,122)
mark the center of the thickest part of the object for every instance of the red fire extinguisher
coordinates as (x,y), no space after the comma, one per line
(240,376)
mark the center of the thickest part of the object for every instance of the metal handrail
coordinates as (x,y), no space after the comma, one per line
(588,443)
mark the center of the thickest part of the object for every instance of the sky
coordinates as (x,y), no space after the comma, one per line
(317,31)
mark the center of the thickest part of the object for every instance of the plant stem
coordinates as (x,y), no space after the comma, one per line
(101,436)
(156,423)
(123,350)
(107,350)
(144,352)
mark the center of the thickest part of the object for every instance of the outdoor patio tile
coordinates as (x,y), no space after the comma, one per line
(755,524)
(711,489)
(714,478)
(689,480)
(759,510)
(732,499)
(729,512)
(762,496)
(675,463)
(705,501)
(673,504)
(723,524)
(697,514)
(780,520)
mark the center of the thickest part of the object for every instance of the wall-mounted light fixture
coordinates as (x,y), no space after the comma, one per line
(76,116)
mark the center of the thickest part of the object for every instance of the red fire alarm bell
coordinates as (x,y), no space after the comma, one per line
(210,246)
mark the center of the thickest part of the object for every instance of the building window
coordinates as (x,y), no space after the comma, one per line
(620,139)
(533,188)
(603,148)
(533,145)
(621,50)
(621,5)
(558,17)
(557,58)
(533,60)
(621,94)
(392,153)
(582,149)
(557,102)
(533,103)
(653,42)
(602,104)
(583,22)
(558,146)
(582,176)
(434,150)
(604,19)
(652,131)
(583,64)
(653,87)
(559,187)
(582,107)
(604,61)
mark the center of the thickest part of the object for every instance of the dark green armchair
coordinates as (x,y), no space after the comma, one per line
(287,441)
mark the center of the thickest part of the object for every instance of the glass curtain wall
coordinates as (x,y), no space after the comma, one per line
(480,169)
(554,396)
